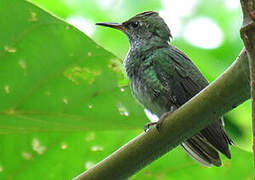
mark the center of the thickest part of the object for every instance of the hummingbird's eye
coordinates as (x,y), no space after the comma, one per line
(135,24)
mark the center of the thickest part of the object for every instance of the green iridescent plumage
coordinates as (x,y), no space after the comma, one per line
(163,78)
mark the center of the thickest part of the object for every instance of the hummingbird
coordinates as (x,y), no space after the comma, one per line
(162,78)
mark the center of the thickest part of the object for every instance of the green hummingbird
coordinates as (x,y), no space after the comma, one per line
(162,78)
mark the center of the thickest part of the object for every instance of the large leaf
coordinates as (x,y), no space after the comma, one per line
(53,77)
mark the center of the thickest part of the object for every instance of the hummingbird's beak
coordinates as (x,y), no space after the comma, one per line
(113,25)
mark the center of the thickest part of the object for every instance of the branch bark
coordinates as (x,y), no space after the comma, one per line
(248,36)
(225,93)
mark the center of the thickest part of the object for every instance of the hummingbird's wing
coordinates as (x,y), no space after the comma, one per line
(183,83)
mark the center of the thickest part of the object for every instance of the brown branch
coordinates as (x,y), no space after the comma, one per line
(248,36)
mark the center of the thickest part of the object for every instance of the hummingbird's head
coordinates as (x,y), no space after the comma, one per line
(143,27)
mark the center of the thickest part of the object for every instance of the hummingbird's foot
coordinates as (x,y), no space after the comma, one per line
(161,120)
(158,123)
(148,125)
(163,117)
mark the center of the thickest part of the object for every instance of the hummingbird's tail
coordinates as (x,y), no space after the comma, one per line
(205,146)
(198,148)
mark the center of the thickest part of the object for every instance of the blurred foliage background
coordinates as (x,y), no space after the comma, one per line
(208,32)
(61,147)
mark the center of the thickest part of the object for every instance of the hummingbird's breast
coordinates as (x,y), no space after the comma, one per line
(144,84)
(152,99)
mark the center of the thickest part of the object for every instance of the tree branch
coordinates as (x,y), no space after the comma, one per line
(228,91)
(248,36)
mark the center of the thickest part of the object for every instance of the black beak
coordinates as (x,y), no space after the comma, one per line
(113,25)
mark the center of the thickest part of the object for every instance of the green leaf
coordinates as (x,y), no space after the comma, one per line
(56,155)
(54,78)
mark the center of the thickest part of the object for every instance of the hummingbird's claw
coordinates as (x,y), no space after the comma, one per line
(162,118)
(148,125)
(160,121)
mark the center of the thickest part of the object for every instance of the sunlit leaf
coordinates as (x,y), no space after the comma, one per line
(53,77)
